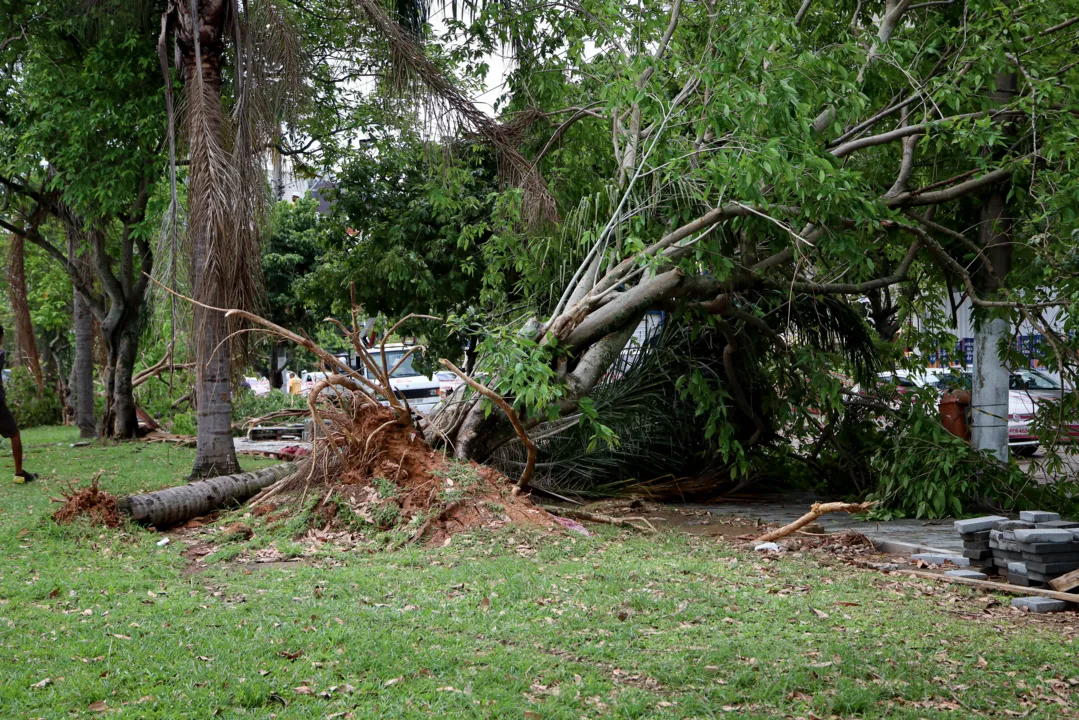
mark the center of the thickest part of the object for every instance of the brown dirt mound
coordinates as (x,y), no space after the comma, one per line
(98,506)
(387,475)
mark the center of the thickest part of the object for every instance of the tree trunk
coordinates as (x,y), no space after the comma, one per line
(989,392)
(201,43)
(178,504)
(81,384)
(24,327)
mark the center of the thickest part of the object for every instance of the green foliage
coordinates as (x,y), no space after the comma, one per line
(246,405)
(290,251)
(30,406)
(407,235)
(924,471)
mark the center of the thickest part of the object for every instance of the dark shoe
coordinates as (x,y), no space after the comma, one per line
(25,477)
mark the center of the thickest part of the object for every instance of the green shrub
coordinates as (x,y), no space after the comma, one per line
(924,471)
(30,406)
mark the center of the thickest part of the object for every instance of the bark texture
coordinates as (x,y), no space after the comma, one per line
(200,33)
(24,327)
(171,506)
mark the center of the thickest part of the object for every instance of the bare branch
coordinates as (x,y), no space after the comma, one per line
(530,467)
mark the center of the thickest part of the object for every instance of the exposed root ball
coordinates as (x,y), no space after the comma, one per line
(391,481)
(98,506)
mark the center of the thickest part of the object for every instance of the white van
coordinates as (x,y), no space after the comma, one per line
(420,391)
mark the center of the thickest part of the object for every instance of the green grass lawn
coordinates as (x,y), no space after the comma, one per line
(503,625)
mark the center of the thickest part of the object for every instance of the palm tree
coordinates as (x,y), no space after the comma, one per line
(247,56)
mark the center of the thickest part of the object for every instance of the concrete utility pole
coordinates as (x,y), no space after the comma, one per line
(989,394)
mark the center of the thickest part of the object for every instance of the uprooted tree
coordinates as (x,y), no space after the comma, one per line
(757,171)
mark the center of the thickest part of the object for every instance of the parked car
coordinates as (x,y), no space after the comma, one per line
(1021,409)
(447,383)
(310,378)
(422,392)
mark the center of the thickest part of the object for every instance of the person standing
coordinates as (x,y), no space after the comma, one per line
(8,428)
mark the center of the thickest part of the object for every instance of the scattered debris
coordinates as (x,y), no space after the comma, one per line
(576,514)
(815,512)
(767,547)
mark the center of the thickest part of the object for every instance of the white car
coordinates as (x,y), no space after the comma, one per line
(421,391)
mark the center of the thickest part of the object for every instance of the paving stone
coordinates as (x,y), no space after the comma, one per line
(1041,577)
(1024,581)
(1017,568)
(1040,604)
(972,525)
(968,574)
(1012,525)
(977,554)
(1048,547)
(1009,545)
(936,559)
(1009,555)
(1052,558)
(1035,516)
(976,544)
(1044,536)
(1050,568)
(1058,525)
(979,536)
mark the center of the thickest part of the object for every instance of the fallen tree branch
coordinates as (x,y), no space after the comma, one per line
(815,512)
(597,518)
(988,585)
(498,400)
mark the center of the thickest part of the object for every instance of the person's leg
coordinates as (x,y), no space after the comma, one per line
(16,452)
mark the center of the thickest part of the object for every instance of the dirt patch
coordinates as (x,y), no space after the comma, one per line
(390,480)
(92,503)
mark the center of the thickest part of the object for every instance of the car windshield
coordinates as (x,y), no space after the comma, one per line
(1031,380)
(392,358)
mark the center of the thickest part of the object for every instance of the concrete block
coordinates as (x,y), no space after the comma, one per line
(1016,568)
(980,536)
(1044,536)
(972,525)
(1012,525)
(1050,568)
(1058,525)
(1040,548)
(1024,581)
(938,559)
(1052,558)
(968,574)
(1036,516)
(1009,545)
(1039,604)
(977,554)
(976,544)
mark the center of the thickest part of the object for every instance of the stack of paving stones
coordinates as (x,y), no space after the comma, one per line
(976,534)
(1029,552)
(1047,549)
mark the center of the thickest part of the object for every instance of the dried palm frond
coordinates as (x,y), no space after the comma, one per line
(449,109)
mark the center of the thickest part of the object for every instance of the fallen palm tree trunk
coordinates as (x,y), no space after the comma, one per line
(178,504)
(815,512)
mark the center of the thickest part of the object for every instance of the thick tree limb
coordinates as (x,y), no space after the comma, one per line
(530,466)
